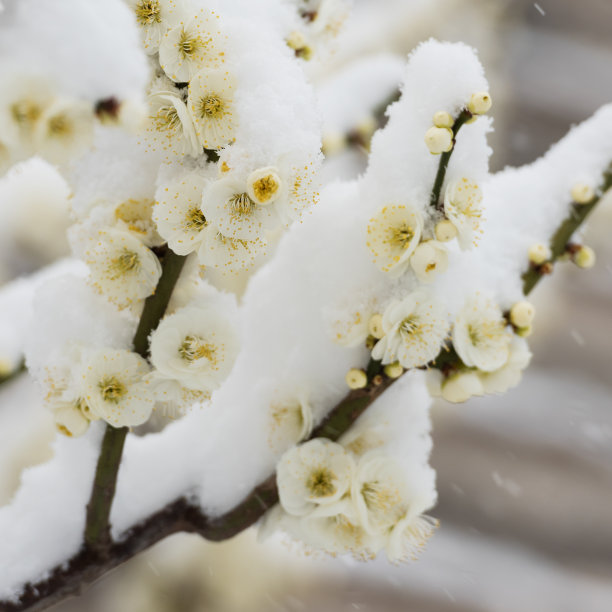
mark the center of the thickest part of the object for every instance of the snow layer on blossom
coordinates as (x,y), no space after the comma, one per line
(535,198)
(98,70)
(16,306)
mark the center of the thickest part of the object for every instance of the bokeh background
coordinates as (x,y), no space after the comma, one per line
(525,479)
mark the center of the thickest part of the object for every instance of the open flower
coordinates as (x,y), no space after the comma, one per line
(63,130)
(290,422)
(315,473)
(481,335)
(154,17)
(211,105)
(463,207)
(196,346)
(190,46)
(393,235)
(178,213)
(171,124)
(122,268)
(414,331)
(228,205)
(114,389)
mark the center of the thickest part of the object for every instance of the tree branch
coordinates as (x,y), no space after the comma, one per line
(97,526)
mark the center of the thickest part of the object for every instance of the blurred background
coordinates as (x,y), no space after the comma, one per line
(525,479)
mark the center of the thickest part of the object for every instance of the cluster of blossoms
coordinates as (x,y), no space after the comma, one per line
(35,119)
(349,497)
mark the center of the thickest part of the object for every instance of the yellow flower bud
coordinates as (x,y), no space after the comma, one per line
(582,193)
(525,332)
(585,257)
(393,370)
(375,326)
(356,379)
(445,231)
(439,140)
(480,103)
(442,119)
(522,313)
(539,253)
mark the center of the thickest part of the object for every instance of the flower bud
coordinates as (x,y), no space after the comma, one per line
(439,140)
(524,332)
(393,370)
(582,193)
(480,103)
(70,421)
(366,127)
(375,326)
(356,379)
(460,387)
(333,143)
(442,119)
(264,185)
(445,230)
(539,253)
(522,313)
(584,257)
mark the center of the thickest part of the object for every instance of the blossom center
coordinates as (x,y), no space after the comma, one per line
(265,188)
(193,348)
(25,112)
(211,107)
(148,12)
(59,126)
(188,45)
(195,219)
(112,389)
(124,263)
(401,236)
(241,204)
(167,118)
(320,482)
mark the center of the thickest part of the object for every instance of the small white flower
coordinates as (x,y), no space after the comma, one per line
(291,421)
(114,388)
(154,17)
(463,207)
(409,536)
(315,473)
(228,254)
(414,331)
(196,346)
(64,130)
(481,336)
(379,492)
(228,206)
(122,268)
(264,185)
(211,105)
(459,387)
(429,259)
(135,217)
(393,235)
(171,125)
(178,213)
(509,375)
(190,46)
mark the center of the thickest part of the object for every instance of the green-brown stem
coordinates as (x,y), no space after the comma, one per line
(97,524)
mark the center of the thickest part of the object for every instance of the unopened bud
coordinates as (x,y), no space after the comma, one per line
(442,119)
(439,140)
(393,370)
(480,103)
(582,193)
(522,313)
(375,326)
(585,257)
(539,253)
(445,231)
(356,379)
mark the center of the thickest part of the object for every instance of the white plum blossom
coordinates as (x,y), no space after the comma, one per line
(410,534)
(463,207)
(429,259)
(195,346)
(178,213)
(228,206)
(114,389)
(264,185)
(291,421)
(509,375)
(414,328)
(171,125)
(315,473)
(121,267)
(211,105)
(190,46)
(393,235)
(481,335)
(154,17)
